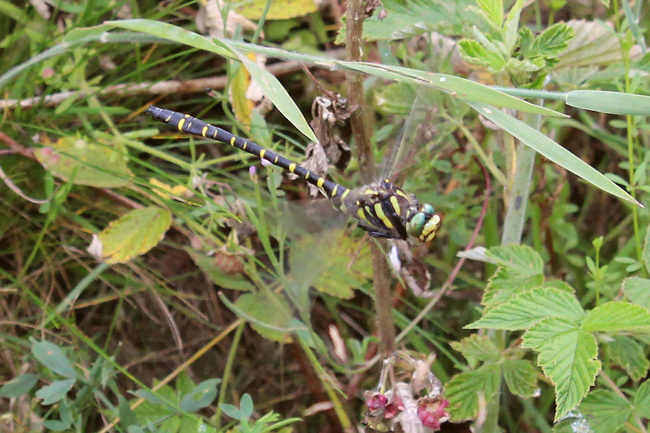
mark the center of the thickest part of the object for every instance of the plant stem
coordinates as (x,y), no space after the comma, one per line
(355,15)
(517,195)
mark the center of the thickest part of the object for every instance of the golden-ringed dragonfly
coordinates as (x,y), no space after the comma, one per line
(381,208)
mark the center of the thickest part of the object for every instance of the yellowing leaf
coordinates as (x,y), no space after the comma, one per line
(86,162)
(134,234)
(241,104)
(177,192)
(279,10)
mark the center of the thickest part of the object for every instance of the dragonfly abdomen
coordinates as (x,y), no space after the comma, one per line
(192,125)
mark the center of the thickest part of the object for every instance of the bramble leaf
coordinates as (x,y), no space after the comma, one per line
(477,348)
(617,317)
(520,376)
(552,41)
(637,290)
(642,400)
(519,268)
(465,390)
(629,354)
(528,308)
(605,411)
(567,356)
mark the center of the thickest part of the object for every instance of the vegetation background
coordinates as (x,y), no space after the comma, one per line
(153,281)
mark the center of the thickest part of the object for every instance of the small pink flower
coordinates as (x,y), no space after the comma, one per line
(376,401)
(432,413)
(394,408)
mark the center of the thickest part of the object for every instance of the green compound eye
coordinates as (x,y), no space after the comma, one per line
(424,223)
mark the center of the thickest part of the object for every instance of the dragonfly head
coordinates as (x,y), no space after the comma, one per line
(424,223)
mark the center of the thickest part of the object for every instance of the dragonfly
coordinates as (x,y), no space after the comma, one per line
(381,208)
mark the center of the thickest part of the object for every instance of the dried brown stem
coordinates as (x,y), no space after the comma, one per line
(355,15)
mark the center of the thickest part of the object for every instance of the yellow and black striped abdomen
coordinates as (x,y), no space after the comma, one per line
(382,209)
(192,125)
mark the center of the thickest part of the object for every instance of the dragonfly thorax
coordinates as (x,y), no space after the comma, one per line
(385,211)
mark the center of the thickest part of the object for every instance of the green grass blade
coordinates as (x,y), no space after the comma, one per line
(609,102)
(551,150)
(462,88)
(267,81)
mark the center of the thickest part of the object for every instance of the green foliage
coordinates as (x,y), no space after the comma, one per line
(415,17)
(266,423)
(556,327)
(523,58)
(203,259)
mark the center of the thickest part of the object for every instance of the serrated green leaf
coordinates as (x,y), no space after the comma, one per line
(134,233)
(52,357)
(525,66)
(559,285)
(520,376)
(491,44)
(609,102)
(528,308)
(511,26)
(551,150)
(629,354)
(518,259)
(465,390)
(642,400)
(201,396)
(160,405)
(519,269)
(605,411)
(86,162)
(567,355)
(473,52)
(526,38)
(18,386)
(617,317)
(492,11)
(477,348)
(552,41)
(594,44)
(55,391)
